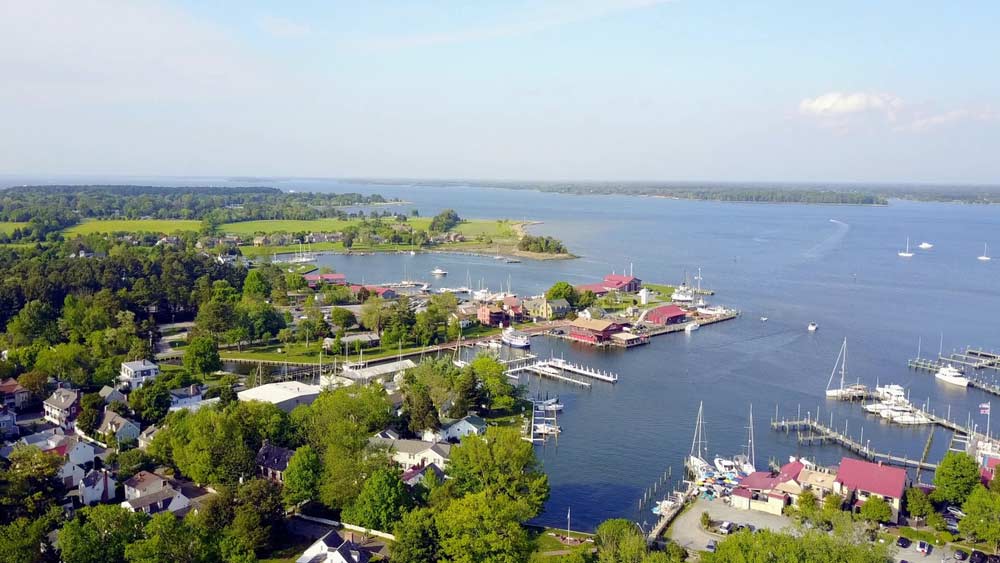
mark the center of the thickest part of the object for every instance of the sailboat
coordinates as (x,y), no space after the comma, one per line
(986,255)
(843,392)
(746,463)
(906,253)
(696,461)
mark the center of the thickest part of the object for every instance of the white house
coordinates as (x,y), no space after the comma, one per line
(150,493)
(136,374)
(411,453)
(75,453)
(454,431)
(143,483)
(97,486)
(62,407)
(185,397)
(332,548)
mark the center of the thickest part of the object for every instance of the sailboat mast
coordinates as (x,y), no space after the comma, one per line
(750,447)
(843,365)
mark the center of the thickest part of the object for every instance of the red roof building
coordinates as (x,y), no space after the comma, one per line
(666,315)
(491,315)
(593,331)
(617,282)
(857,481)
(597,289)
(383,292)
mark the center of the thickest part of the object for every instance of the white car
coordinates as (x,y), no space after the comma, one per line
(955,511)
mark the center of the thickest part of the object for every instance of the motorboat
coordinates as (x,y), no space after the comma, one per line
(413,253)
(925,246)
(986,254)
(553,407)
(515,338)
(763,319)
(713,311)
(691,327)
(951,374)
(812,327)
(906,253)
(725,465)
(439,272)
(545,428)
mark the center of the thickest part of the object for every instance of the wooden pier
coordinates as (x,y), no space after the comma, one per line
(821,433)
(656,330)
(559,363)
(932,366)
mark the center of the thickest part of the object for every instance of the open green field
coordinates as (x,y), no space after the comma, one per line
(9,227)
(486,227)
(164,226)
(245,228)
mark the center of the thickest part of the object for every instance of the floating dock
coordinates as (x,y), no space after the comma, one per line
(542,369)
(932,366)
(563,365)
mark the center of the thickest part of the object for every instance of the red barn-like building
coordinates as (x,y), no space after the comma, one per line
(593,331)
(666,315)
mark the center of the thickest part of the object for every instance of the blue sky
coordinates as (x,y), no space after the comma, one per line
(575,90)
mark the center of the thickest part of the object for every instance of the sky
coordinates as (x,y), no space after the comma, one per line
(651,90)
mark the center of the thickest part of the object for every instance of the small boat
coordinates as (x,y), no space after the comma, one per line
(713,311)
(413,253)
(682,294)
(439,272)
(515,338)
(906,253)
(691,327)
(813,327)
(763,319)
(986,255)
(546,428)
(554,407)
(512,261)
(925,246)
(950,374)
(724,465)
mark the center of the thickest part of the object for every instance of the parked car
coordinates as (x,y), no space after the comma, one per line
(993,559)
(903,542)
(924,547)
(711,546)
(727,528)
(961,555)
(977,557)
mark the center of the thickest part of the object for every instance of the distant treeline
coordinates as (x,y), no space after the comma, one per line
(544,245)
(49,209)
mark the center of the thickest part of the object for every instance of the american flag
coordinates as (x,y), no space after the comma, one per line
(984,408)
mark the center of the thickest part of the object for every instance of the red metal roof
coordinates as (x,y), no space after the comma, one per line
(760,480)
(325,277)
(619,279)
(597,288)
(741,492)
(664,312)
(790,471)
(872,477)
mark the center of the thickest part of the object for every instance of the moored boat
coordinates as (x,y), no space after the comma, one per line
(515,338)
(951,374)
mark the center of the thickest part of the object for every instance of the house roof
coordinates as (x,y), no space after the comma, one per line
(152,498)
(412,447)
(10,385)
(112,422)
(107,391)
(559,303)
(415,474)
(274,457)
(596,288)
(279,392)
(618,278)
(144,481)
(325,277)
(62,399)
(139,365)
(666,312)
(790,471)
(188,392)
(363,337)
(593,324)
(872,477)
(818,479)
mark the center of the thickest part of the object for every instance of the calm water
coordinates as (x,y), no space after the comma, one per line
(790,263)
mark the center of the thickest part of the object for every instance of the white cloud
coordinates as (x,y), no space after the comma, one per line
(839,104)
(282,28)
(934,121)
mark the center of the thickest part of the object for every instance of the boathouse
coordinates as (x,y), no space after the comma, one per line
(666,315)
(597,289)
(617,282)
(312,280)
(593,331)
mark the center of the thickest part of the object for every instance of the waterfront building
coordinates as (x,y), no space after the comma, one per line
(666,315)
(594,331)
(857,481)
(382,372)
(456,430)
(414,453)
(491,315)
(313,280)
(286,395)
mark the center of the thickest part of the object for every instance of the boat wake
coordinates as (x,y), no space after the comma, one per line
(829,243)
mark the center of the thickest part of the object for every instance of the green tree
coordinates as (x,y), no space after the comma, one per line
(100,534)
(416,538)
(562,290)
(342,317)
(807,546)
(259,514)
(981,521)
(876,510)
(956,476)
(616,541)
(375,314)
(25,540)
(169,539)
(503,466)
(133,461)
(302,477)
(91,408)
(479,527)
(420,409)
(808,503)
(499,392)
(150,402)
(383,499)
(256,286)
(34,381)
(832,503)
(28,485)
(202,356)
(917,503)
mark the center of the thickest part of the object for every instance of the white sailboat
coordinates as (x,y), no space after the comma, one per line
(844,391)
(906,253)
(986,254)
(746,462)
(696,461)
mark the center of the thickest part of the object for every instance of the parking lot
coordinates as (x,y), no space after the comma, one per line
(686,530)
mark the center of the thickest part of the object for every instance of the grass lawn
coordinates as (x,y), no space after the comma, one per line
(543,542)
(164,226)
(9,227)
(500,228)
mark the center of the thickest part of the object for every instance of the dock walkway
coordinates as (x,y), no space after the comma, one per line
(561,364)
(819,432)
(932,366)
(543,369)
